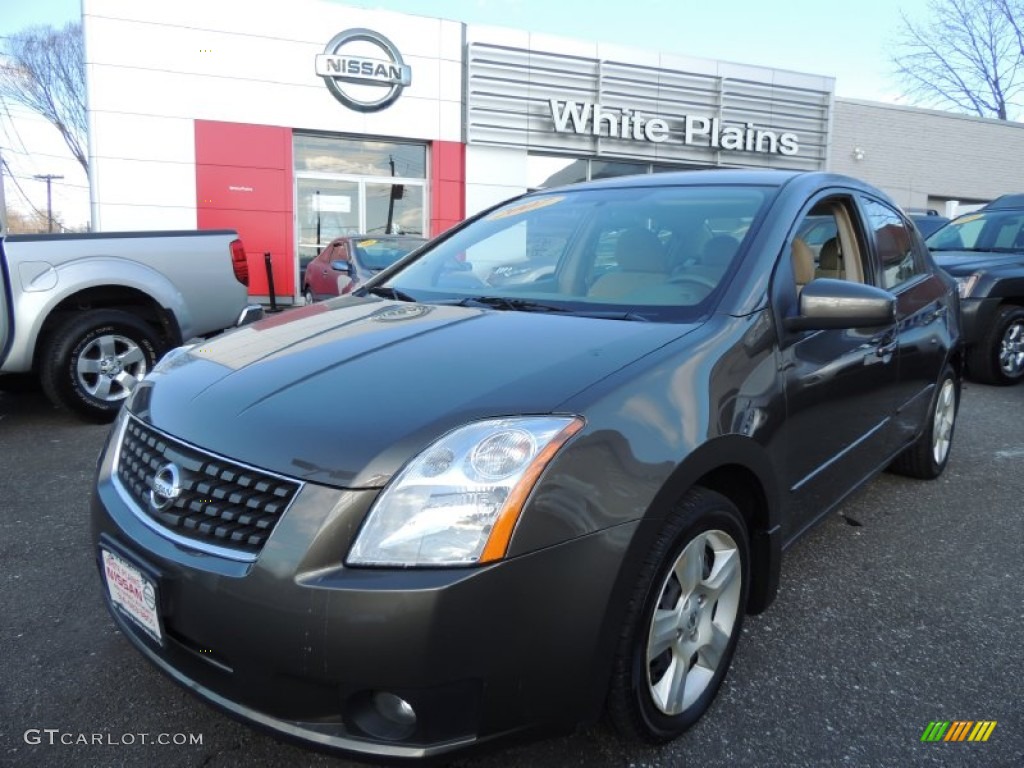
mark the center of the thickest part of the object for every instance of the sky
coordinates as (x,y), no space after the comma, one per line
(851,42)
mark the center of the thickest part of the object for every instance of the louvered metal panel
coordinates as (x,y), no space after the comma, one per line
(509,94)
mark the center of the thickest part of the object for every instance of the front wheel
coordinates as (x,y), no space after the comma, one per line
(926,457)
(683,620)
(92,361)
(998,358)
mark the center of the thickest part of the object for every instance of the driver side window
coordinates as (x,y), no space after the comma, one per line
(826,244)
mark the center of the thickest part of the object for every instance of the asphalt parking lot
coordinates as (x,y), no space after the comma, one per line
(908,610)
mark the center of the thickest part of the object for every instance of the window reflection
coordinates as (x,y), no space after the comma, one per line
(548,171)
(394,209)
(602,169)
(544,171)
(327,154)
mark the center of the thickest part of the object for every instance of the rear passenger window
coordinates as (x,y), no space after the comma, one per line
(894,244)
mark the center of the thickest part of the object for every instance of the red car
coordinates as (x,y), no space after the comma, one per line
(349,261)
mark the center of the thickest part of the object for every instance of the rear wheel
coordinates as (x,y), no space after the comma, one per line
(998,358)
(683,620)
(926,457)
(307,294)
(92,361)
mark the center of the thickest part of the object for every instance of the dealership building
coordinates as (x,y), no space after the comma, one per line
(322,120)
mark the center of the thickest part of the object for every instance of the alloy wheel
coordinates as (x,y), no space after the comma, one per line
(942,425)
(694,620)
(1011,350)
(109,367)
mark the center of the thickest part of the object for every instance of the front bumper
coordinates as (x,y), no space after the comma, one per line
(250,314)
(299,644)
(977,316)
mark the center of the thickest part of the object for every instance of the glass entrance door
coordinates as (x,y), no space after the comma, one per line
(327,208)
(349,186)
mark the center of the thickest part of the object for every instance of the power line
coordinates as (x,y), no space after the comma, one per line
(17,186)
(39,154)
(13,175)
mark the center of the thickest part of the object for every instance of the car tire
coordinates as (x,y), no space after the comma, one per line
(92,361)
(307,294)
(927,456)
(998,358)
(678,638)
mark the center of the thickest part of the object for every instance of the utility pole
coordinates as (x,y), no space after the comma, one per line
(48,178)
(391,199)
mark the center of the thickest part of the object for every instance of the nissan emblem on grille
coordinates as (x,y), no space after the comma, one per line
(166,487)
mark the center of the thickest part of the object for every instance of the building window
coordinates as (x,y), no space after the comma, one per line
(544,171)
(359,157)
(349,186)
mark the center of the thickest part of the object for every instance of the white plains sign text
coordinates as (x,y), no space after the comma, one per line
(586,118)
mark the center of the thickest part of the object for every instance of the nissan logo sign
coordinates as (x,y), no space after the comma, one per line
(165,487)
(358,75)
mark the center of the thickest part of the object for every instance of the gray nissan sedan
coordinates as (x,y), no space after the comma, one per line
(441,514)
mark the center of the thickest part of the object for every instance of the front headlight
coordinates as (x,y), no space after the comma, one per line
(458,501)
(966,284)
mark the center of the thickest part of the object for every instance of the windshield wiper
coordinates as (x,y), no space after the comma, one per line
(613,315)
(387,292)
(505,302)
(525,305)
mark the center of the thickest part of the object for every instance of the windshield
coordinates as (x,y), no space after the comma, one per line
(996,231)
(657,253)
(380,252)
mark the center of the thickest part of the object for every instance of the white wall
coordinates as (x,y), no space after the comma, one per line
(493,174)
(923,156)
(152,68)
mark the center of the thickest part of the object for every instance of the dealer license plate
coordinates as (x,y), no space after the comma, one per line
(133,593)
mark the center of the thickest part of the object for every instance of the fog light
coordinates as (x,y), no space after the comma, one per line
(383,715)
(394,708)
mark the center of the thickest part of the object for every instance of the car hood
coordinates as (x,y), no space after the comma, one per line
(345,392)
(966,262)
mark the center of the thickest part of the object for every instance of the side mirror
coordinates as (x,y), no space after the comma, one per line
(342,266)
(827,303)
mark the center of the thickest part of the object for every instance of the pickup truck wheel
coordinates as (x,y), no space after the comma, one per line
(999,357)
(927,456)
(93,361)
(683,620)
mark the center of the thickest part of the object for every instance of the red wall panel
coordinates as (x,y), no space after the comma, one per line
(448,185)
(240,144)
(244,182)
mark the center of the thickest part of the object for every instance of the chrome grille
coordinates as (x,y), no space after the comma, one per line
(221,503)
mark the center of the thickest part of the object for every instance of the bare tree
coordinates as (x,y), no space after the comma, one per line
(1013,12)
(21,223)
(967,56)
(44,69)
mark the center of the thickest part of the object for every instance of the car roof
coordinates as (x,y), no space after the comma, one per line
(1006,201)
(719,177)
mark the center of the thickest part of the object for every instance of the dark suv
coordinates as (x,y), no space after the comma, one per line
(984,251)
(532,503)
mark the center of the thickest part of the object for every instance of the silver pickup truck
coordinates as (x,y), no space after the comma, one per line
(90,314)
